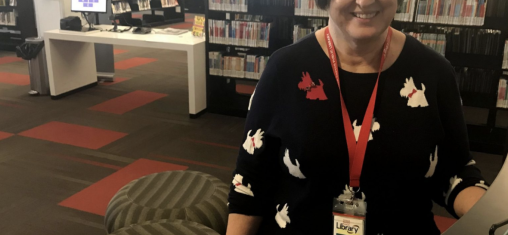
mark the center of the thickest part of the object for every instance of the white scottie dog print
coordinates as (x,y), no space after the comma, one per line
(240,187)
(253,142)
(282,217)
(294,170)
(433,164)
(251,97)
(454,181)
(416,98)
(482,185)
(375,127)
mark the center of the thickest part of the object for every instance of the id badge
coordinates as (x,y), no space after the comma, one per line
(349,214)
(348,224)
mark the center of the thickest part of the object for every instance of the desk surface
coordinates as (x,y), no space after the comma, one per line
(176,42)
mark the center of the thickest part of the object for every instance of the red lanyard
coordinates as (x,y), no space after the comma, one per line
(356,150)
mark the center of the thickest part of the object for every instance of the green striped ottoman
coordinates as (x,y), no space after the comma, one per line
(174,195)
(166,227)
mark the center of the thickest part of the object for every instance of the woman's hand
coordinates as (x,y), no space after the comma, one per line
(243,224)
(466,199)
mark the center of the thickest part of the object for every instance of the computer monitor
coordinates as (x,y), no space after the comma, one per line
(95,6)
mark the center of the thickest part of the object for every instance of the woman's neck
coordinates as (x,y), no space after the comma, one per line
(357,56)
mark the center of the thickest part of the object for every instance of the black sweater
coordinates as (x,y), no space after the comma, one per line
(295,160)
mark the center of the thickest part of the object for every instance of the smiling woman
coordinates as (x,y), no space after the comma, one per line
(305,136)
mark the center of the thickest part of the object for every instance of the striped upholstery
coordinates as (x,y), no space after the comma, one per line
(166,227)
(184,195)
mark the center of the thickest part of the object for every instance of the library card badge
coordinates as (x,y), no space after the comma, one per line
(347,224)
(199,26)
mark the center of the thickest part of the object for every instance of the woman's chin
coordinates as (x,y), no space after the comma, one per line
(361,34)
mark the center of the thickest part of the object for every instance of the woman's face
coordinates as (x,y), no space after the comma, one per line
(362,19)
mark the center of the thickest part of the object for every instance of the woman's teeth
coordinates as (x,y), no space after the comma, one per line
(364,16)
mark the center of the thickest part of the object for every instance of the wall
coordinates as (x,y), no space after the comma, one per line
(48,14)
(66,4)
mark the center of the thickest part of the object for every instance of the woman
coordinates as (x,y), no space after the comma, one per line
(295,159)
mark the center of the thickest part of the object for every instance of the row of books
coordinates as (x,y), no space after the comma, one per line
(228,5)
(241,66)
(502,94)
(435,41)
(476,80)
(405,10)
(169,3)
(308,8)
(497,8)
(8,3)
(8,18)
(456,12)
(120,7)
(505,57)
(239,33)
(312,25)
(144,5)
(475,41)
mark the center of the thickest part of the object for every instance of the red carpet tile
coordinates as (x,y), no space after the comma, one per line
(9,59)
(14,79)
(444,223)
(137,16)
(119,51)
(76,135)
(133,62)
(128,102)
(245,89)
(5,135)
(182,26)
(96,197)
(116,80)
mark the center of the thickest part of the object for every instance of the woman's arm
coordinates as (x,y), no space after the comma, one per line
(466,200)
(458,184)
(243,224)
(257,169)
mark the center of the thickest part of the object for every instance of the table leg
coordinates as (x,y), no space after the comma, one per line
(196,63)
(71,66)
(105,59)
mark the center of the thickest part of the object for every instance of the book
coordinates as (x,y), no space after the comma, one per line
(474,41)
(199,26)
(502,95)
(436,41)
(458,40)
(405,11)
(476,80)
(144,5)
(228,5)
(238,66)
(300,30)
(120,7)
(239,33)
(8,18)
(308,8)
(505,55)
(454,12)
(169,3)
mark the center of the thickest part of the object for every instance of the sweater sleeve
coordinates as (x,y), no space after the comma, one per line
(256,167)
(456,167)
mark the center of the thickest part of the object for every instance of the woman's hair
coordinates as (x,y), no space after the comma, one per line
(324,4)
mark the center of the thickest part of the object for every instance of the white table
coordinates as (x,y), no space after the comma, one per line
(71,59)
